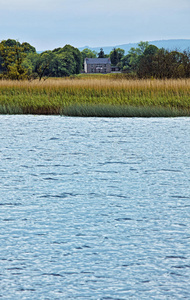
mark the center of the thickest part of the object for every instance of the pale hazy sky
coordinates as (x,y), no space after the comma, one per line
(47,24)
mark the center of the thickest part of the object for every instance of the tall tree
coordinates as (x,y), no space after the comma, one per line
(146,65)
(116,56)
(43,62)
(75,53)
(12,56)
(101,54)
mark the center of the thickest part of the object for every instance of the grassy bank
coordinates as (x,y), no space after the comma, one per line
(96,96)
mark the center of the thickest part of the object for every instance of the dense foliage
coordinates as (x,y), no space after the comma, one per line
(116,56)
(21,61)
(12,56)
(148,61)
(87,53)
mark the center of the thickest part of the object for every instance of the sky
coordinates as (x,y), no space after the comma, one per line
(48,24)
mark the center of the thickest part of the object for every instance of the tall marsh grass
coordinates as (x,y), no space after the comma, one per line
(99,95)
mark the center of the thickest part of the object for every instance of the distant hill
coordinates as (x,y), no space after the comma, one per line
(179,44)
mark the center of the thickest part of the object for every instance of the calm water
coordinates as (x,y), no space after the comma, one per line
(94,208)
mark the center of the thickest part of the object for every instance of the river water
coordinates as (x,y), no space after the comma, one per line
(94,208)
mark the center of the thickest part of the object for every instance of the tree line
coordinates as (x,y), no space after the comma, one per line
(148,61)
(21,61)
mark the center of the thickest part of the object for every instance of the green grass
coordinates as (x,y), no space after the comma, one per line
(121,111)
(10,110)
(102,95)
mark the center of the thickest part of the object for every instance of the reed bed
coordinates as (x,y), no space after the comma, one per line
(71,95)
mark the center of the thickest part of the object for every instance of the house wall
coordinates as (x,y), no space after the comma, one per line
(85,67)
(97,68)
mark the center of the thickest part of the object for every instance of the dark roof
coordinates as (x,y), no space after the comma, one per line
(98,61)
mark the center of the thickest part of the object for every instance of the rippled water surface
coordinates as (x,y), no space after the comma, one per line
(94,208)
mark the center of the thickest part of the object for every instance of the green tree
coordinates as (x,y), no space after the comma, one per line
(63,64)
(150,50)
(142,46)
(101,54)
(87,53)
(116,56)
(10,43)
(132,59)
(27,48)
(30,63)
(76,56)
(12,56)
(186,62)
(161,63)
(42,67)
(146,65)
